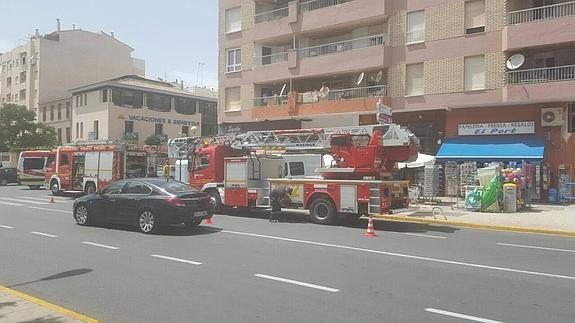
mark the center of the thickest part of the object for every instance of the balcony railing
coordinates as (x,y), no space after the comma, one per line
(416,36)
(541,75)
(555,11)
(346,45)
(318,4)
(275,100)
(345,94)
(271,59)
(271,15)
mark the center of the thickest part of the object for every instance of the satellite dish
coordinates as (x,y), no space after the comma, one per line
(283,89)
(514,62)
(379,76)
(360,78)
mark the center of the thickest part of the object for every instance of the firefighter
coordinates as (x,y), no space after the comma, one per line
(280,196)
(166,170)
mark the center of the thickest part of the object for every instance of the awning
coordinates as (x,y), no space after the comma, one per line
(487,148)
(422,160)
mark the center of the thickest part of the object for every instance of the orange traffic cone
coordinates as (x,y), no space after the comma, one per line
(52,199)
(209,221)
(370,231)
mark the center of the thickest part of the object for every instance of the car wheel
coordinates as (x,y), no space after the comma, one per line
(147,222)
(217,200)
(192,224)
(81,215)
(90,189)
(3,182)
(55,188)
(322,211)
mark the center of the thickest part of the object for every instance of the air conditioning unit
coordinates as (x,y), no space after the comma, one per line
(552,117)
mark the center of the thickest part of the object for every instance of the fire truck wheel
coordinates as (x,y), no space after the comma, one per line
(81,215)
(90,189)
(55,188)
(322,211)
(147,222)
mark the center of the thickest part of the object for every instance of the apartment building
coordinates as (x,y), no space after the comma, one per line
(444,66)
(132,108)
(39,73)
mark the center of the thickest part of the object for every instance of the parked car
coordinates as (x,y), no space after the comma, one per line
(147,203)
(9,175)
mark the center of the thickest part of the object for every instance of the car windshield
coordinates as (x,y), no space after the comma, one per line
(175,187)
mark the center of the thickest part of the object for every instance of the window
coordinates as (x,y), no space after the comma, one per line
(474,73)
(234,60)
(44,110)
(114,188)
(233,99)
(96,129)
(67,110)
(59,111)
(81,130)
(185,130)
(77,130)
(474,16)
(136,188)
(33,163)
(185,106)
(571,121)
(81,100)
(156,102)
(414,81)
(175,187)
(9,81)
(415,27)
(23,60)
(59,131)
(63,159)
(23,77)
(233,19)
(68,134)
(128,126)
(127,98)
(105,95)
(159,129)
(77,100)
(296,169)
(51,113)
(201,161)
(86,99)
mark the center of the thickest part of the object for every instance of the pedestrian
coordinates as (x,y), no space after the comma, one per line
(323,91)
(280,196)
(166,170)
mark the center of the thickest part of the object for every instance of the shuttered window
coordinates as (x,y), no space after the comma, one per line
(474,16)
(415,27)
(233,99)
(233,19)
(475,73)
(414,81)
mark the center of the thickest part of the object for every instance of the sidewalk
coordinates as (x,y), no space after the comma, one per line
(19,307)
(549,219)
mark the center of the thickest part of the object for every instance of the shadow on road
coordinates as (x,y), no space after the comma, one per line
(45,320)
(65,274)
(7,304)
(178,230)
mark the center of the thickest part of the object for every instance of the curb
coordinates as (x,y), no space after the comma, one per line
(476,225)
(50,306)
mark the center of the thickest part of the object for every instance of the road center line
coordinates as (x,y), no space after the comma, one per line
(10,203)
(461,316)
(99,245)
(534,247)
(177,259)
(20,200)
(6,226)
(451,262)
(414,234)
(295,282)
(53,210)
(44,234)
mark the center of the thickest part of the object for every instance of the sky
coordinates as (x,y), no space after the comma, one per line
(173,36)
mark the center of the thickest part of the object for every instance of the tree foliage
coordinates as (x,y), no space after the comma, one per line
(154,140)
(19,130)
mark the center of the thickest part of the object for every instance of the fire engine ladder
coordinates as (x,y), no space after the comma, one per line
(374,199)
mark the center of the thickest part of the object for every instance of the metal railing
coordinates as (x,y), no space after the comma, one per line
(555,11)
(344,94)
(318,4)
(271,59)
(416,36)
(541,75)
(271,15)
(275,100)
(342,46)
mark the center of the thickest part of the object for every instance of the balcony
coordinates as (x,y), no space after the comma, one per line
(269,101)
(271,15)
(548,84)
(541,75)
(271,59)
(344,94)
(319,4)
(131,136)
(342,46)
(555,11)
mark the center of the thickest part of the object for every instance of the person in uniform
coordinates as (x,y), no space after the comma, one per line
(166,170)
(280,196)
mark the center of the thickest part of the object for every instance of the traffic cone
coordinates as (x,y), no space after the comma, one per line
(209,221)
(370,231)
(52,199)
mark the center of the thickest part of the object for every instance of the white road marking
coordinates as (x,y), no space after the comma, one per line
(99,245)
(295,282)
(177,259)
(44,234)
(461,316)
(6,226)
(451,262)
(534,247)
(10,204)
(20,200)
(46,209)
(413,234)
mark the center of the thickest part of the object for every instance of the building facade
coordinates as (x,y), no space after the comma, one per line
(441,65)
(41,71)
(132,108)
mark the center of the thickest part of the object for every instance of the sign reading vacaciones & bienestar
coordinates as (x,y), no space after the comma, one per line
(497,128)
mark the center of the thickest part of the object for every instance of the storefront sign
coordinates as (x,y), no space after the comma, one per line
(132,117)
(497,128)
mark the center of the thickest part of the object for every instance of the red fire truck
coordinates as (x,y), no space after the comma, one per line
(89,166)
(241,171)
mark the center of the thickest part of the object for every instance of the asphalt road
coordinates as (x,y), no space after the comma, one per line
(246,269)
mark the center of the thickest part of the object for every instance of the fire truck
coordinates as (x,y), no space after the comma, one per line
(89,166)
(240,171)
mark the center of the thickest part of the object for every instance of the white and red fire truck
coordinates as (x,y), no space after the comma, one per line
(241,171)
(88,166)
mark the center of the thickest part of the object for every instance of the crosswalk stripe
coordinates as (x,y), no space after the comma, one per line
(20,200)
(11,204)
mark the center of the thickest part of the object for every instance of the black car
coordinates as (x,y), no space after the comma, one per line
(9,175)
(148,203)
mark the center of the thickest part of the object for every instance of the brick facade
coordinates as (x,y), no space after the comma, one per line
(495,70)
(444,76)
(447,21)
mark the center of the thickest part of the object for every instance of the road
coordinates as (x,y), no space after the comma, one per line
(243,268)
